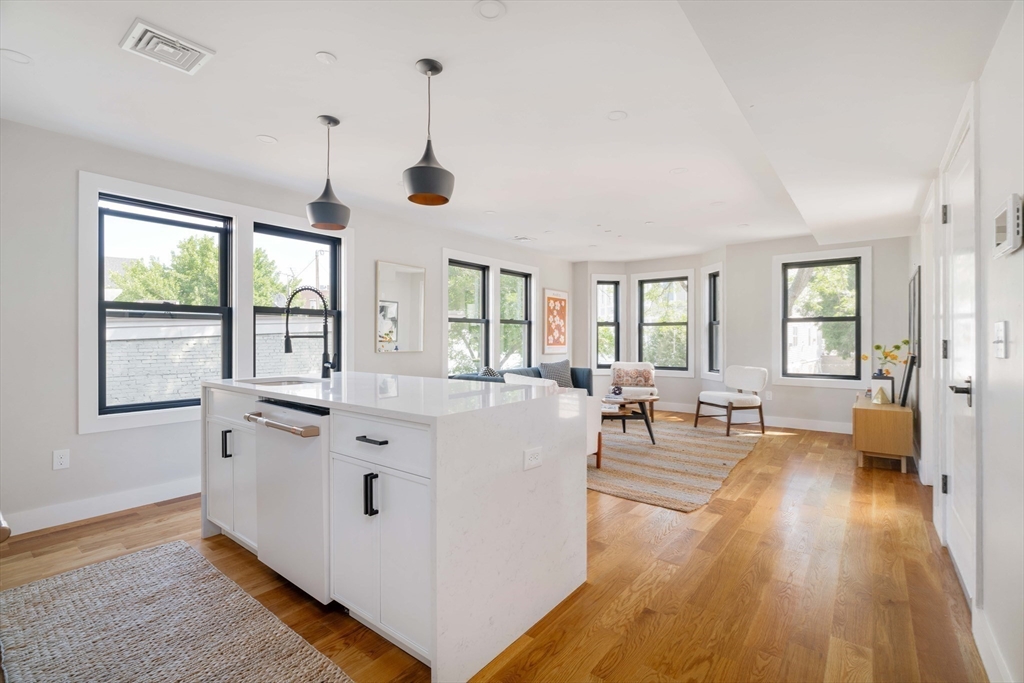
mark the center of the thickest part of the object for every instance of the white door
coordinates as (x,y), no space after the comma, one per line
(405,576)
(962,466)
(243,456)
(219,493)
(355,538)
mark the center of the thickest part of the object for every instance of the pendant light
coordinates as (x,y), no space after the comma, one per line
(326,212)
(428,182)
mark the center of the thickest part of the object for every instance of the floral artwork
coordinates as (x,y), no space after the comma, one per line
(556,321)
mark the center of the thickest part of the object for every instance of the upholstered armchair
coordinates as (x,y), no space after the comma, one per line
(741,378)
(636,379)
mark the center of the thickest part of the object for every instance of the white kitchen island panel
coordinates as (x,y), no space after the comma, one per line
(440,539)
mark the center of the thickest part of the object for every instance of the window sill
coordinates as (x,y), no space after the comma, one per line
(850,384)
(714,376)
(91,424)
(599,372)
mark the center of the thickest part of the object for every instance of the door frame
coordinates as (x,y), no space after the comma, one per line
(966,125)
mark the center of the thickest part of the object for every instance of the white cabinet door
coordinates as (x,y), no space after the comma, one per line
(243,455)
(405,576)
(219,478)
(355,540)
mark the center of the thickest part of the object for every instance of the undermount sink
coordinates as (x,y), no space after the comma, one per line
(278,382)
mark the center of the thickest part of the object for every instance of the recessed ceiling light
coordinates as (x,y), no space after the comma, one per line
(649,223)
(548,232)
(619,235)
(490,10)
(617,115)
(490,213)
(592,246)
(609,230)
(677,171)
(15,56)
(267,139)
(523,238)
(717,203)
(326,58)
(743,225)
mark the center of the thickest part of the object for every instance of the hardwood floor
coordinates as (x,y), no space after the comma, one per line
(801,568)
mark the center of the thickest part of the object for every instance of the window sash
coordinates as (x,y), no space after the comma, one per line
(483,320)
(614,324)
(713,323)
(334,276)
(641,324)
(105,307)
(856,318)
(527,321)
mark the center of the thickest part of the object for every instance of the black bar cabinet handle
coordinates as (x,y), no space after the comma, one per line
(375,442)
(368,508)
(224,443)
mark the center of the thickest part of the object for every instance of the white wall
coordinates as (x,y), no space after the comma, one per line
(38,276)
(749,326)
(999,624)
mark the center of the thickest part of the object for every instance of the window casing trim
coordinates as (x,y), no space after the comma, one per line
(90,186)
(484,320)
(865,302)
(622,309)
(693,342)
(493,327)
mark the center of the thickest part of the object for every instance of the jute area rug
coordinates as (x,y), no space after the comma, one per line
(681,472)
(162,614)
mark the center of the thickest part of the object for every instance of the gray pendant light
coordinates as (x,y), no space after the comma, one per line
(428,182)
(326,212)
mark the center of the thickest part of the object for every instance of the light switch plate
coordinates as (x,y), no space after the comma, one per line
(62,459)
(532,458)
(999,339)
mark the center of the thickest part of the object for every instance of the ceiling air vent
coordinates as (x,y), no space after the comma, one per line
(166,48)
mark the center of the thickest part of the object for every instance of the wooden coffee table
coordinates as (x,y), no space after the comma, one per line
(646,412)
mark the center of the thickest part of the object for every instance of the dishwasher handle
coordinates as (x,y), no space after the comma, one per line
(305,432)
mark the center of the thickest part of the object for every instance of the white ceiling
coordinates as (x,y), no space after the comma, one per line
(852,107)
(853,102)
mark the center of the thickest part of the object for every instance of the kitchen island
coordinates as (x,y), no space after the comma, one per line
(448,516)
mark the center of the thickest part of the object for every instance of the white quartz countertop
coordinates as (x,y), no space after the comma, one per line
(397,396)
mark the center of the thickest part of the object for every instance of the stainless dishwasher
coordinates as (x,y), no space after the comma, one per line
(292,489)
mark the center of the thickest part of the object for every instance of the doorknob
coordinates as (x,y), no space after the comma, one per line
(963,390)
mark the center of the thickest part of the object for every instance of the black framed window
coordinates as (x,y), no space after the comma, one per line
(714,307)
(468,325)
(284,259)
(608,344)
(516,327)
(663,332)
(164,313)
(821,319)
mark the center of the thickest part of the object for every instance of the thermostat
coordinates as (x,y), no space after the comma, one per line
(1008,226)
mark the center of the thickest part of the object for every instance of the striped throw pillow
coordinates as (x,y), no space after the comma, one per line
(489,372)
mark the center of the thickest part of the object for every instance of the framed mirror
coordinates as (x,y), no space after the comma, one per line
(400,293)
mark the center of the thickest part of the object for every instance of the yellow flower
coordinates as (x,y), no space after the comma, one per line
(864,356)
(887,373)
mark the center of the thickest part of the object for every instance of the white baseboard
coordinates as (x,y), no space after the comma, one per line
(995,665)
(73,511)
(769,420)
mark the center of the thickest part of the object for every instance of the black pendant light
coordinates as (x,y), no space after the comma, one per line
(428,182)
(326,212)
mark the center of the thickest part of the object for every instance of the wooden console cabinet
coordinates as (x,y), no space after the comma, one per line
(882,430)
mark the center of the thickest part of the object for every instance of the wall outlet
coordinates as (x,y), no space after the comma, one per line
(767,395)
(62,459)
(532,458)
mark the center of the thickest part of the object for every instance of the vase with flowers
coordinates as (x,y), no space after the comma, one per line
(888,359)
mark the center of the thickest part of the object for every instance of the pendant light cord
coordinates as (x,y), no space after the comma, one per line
(328,152)
(428,106)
